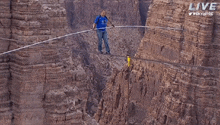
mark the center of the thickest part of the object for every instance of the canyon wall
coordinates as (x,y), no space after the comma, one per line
(36,70)
(60,82)
(122,41)
(156,93)
(5,32)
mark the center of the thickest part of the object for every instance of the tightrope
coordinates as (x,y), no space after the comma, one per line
(84,31)
(27,46)
(148,60)
(152,27)
(135,58)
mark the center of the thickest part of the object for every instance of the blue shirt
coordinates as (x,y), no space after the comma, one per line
(101,22)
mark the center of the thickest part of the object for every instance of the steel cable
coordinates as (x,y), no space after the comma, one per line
(84,31)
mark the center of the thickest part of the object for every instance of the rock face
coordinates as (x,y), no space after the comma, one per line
(55,83)
(61,82)
(159,93)
(5,32)
(81,15)
(143,9)
(35,71)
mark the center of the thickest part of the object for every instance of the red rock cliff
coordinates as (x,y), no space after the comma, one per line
(51,84)
(5,32)
(150,93)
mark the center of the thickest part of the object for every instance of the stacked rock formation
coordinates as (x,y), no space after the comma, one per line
(35,70)
(5,32)
(51,83)
(162,93)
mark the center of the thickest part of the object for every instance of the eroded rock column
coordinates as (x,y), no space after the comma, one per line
(35,70)
(160,93)
(5,32)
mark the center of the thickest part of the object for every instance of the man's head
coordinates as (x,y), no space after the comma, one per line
(103,13)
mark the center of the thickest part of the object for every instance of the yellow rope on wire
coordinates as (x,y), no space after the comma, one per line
(129,61)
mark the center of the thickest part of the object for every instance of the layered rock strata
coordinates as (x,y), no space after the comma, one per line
(5,32)
(35,70)
(54,83)
(122,41)
(81,16)
(152,93)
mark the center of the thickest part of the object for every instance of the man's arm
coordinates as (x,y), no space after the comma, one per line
(95,22)
(94,25)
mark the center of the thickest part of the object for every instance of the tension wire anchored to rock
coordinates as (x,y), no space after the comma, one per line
(128,57)
(84,31)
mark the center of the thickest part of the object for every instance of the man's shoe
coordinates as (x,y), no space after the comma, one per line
(101,52)
(108,53)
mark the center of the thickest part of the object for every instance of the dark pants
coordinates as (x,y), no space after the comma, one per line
(103,35)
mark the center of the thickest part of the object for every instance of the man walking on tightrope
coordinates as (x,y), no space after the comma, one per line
(100,23)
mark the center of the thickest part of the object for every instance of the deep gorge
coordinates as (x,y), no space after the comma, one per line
(65,81)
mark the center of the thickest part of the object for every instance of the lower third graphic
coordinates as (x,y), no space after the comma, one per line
(201,14)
